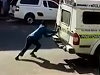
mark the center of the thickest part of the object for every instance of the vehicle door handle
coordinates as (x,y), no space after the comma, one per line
(50,9)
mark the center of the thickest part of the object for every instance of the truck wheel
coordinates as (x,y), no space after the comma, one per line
(29,19)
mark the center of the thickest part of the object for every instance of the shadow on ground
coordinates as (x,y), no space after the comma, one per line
(83,66)
(46,64)
(78,65)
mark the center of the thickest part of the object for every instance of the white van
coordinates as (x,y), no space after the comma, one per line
(78,25)
(31,10)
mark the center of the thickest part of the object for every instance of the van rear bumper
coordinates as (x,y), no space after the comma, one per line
(70,49)
(67,47)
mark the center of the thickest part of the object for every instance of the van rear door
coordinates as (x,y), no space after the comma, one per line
(65,24)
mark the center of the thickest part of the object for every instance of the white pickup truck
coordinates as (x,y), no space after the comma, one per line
(31,10)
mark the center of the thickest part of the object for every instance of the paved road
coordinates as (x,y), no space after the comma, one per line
(50,61)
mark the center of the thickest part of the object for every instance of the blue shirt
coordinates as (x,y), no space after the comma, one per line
(40,31)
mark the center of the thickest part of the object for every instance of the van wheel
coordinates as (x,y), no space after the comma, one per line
(99,63)
(97,55)
(29,19)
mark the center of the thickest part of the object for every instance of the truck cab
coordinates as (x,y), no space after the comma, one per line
(78,26)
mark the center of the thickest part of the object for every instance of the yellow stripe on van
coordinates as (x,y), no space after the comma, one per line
(89,36)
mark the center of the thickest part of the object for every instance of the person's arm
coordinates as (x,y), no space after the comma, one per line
(49,33)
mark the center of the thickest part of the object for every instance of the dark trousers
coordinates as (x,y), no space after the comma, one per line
(29,42)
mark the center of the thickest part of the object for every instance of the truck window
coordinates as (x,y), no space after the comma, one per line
(52,4)
(65,17)
(35,2)
(45,3)
(91,17)
(13,2)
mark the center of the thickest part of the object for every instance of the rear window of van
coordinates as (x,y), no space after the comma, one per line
(91,17)
(34,2)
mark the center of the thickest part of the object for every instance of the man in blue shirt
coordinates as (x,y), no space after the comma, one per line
(34,38)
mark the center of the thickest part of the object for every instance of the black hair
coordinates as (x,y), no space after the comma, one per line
(43,22)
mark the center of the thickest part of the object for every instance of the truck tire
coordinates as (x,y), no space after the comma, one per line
(29,18)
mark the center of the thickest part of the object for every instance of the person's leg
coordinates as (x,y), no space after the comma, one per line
(38,45)
(27,45)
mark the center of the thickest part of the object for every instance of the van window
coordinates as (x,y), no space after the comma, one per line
(91,17)
(35,2)
(65,17)
(52,4)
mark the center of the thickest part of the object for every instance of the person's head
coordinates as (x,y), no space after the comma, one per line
(43,23)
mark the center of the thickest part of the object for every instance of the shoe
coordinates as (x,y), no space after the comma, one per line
(20,54)
(17,58)
(33,55)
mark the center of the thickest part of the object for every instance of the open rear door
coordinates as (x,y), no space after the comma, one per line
(65,25)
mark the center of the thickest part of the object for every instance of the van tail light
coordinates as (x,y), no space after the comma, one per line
(76,39)
(17,8)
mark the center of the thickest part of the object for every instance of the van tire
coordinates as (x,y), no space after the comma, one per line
(97,55)
(29,18)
